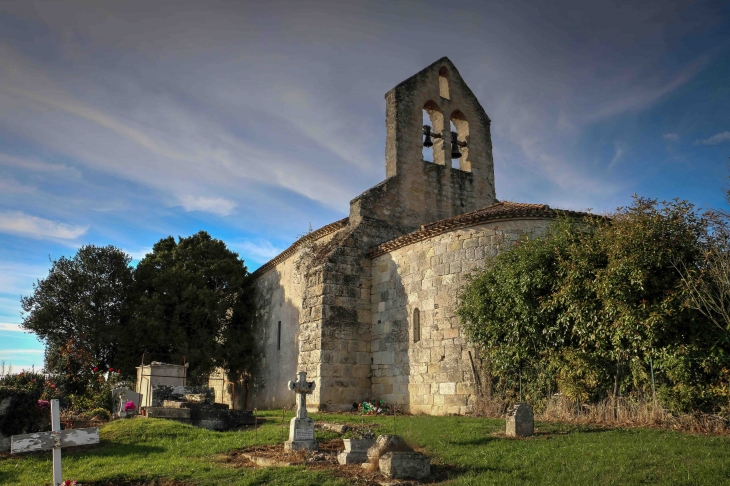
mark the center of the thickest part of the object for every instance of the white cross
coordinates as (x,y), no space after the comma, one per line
(302,387)
(56,439)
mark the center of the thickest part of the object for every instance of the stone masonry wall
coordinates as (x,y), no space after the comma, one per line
(432,376)
(280,294)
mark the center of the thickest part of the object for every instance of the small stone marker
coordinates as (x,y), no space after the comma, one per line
(405,465)
(55,440)
(356,451)
(301,427)
(520,420)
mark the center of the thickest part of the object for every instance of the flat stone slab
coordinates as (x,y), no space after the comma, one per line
(352,457)
(168,413)
(301,445)
(405,465)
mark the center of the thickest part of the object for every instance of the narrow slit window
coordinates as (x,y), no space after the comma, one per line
(278,338)
(416,325)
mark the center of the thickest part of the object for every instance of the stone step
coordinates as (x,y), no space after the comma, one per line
(175,404)
(168,413)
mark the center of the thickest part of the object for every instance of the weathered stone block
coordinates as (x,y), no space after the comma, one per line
(405,465)
(520,420)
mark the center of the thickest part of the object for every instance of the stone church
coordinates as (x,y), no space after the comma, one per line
(366,305)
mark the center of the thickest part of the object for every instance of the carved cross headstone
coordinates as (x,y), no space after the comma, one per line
(55,440)
(301,427)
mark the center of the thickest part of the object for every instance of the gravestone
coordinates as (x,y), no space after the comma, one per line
(123,396)
(405,465)
(301,427)
(54,440)
(520,420)
(356,451)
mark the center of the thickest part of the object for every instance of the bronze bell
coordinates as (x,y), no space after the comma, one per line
(427,132)
(455,152)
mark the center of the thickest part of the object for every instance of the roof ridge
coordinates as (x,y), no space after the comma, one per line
(314,235)
(499,211)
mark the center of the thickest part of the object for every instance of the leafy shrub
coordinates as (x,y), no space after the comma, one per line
(20,411)
(597,308)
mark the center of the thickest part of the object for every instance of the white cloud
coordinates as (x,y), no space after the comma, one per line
(19,352)
(617,155)
(6,326)
(138,254)
(215,205)
(672,137)
(17,222)
(715,139)
(18,278)
(33,164)
(257,250)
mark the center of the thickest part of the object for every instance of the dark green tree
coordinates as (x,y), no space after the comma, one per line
(196,301)
(82,308)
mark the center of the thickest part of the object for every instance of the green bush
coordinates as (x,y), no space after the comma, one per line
(597,307)
(19,397)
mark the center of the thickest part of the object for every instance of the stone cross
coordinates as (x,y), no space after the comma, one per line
(55,440)
(302,388)
(301,427)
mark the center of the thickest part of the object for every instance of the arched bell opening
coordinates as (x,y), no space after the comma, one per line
(432,130)
(444,83)
(460,141)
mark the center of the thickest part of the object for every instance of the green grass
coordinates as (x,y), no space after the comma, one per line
(148,450)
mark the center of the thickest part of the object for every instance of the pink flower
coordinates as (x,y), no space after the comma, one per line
(129,406)
(43,404)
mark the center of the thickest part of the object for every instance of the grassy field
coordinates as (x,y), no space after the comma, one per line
(157,451)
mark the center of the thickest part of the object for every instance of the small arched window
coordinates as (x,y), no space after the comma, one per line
(416,325)
(444,83)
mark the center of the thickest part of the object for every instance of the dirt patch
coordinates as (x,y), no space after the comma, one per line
(326,460)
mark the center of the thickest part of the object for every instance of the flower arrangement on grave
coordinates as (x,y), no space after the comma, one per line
(42,404)
(129,406)
(69,482)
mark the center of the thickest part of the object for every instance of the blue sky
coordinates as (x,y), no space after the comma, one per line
(124,122)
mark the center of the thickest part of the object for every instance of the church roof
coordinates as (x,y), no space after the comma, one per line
(314,235)
(500,211)
(504,210)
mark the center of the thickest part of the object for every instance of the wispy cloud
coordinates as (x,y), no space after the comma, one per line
(33,164)
(715,139)
(259,250)
(214,205)
(6,326)
(17,222)
(671,137)
(5,353)
(138,254)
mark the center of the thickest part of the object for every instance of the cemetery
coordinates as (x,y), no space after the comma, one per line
(143,446)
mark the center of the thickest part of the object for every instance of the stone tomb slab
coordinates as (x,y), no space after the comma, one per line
(405,465)
(356,451)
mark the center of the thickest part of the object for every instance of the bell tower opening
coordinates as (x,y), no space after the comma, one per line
(461,127)
(444,83)
(433,126)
